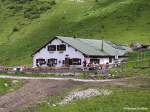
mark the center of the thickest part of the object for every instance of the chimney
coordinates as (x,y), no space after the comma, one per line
(102,47)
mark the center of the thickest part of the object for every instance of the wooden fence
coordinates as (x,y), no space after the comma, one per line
(123,66)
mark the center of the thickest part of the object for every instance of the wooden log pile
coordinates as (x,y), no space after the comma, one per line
(47,70)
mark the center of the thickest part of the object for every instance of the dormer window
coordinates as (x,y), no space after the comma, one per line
(61,47)
(52,48)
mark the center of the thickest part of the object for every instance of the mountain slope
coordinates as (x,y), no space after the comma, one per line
(122,21)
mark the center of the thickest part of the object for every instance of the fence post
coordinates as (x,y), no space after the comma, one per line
(122,67)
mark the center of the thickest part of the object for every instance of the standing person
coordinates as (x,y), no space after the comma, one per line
(84,65)
(107,65)
(105,69)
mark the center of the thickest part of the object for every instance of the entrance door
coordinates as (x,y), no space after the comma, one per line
(68,61)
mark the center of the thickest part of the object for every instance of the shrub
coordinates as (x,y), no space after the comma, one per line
(30,8)
(44,7)
(52,2)
(15,29)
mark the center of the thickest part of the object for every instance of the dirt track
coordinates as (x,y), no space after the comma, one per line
(31,93)
(36,89)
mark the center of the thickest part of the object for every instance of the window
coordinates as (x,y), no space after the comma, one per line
(76,61)
(52,48)
(40,62)
(96,61)
(63,61)
(110,60)
(61,47)
(52,62)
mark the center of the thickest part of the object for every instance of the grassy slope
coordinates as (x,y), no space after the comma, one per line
(7,85)
(122,97)
(115,103)
(120,21)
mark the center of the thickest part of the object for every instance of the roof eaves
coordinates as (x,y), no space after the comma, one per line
(43,46)
(59,37)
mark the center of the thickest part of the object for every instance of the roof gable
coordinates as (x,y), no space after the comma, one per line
(92,47)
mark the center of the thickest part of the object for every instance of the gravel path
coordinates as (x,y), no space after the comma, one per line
(51,78)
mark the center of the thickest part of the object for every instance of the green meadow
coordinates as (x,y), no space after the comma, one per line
(25,25)
(7,85)
(123,97)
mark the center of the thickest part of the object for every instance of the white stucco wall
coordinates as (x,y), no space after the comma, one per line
(60,56)
(104,60)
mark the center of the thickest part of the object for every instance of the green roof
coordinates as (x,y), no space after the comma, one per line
(93,47)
